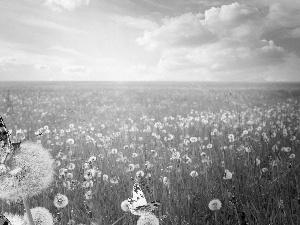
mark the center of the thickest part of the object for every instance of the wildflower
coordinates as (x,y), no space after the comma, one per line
(88,195)
(166,181)
(286,149)
(114,151)
(292,156)
(257,161)
(71,126)
(105,177)
(186,159)
(129,168)
(60,201)
(227,175)
(215,205)
(136,166)
(148,165)
(114,180)
(175,155)
(69,175)
(124,206)
(148,219)
(153,153)
(194,174)
(40,216)
(231,137)
(264,169)
(89,174)
(71,166)
(57,163)
(193,139)
(134,155)
(140,173)
(32,174)
(70,141)
(14,219)
(92,159)
(209,146)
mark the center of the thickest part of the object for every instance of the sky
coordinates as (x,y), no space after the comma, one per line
(150,40)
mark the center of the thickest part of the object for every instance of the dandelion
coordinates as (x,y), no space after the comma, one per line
(209,146)
(69,175)
(129,168)
(14,219)
(92,159)
(153,153)
(231,137)
(60,201)
(227,175)
(194,174)
(70,141)
(33,173)
(89,174)
(264,169)
(215,205)
(57,163)
(88,195)
(257,161)
(134,155)
(136,166)
(140,173)
(148,219)
(105,177)
(114,180)
(193,139)
(292,156)
(41,216)
(124,206)
(71,166)
(114,151)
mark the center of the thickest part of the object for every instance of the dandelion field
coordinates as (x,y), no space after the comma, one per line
(190,143)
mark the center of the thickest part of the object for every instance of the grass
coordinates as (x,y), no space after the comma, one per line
(264,188)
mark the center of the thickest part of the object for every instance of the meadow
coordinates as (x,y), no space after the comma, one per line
(189,142)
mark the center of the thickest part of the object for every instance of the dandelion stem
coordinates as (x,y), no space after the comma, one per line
(118,220)
(28,212)
(216,218)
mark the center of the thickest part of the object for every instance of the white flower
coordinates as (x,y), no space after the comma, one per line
(60,201)
(148,219)
(14,219)
(41,216)
(124,206)
(33,173)
(215,205)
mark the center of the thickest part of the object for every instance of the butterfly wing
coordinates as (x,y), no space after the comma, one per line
(4,220)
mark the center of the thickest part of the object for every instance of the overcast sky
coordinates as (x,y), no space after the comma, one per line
(186,40)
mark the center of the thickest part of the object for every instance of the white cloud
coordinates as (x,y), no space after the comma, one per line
(136,23)
(66,50)
(58,5)
(8,60)
(74,70)
(224,39)
(42,67)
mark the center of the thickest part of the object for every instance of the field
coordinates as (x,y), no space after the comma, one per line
(194,142)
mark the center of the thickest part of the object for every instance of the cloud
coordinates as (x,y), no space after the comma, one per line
(8,60)
(59,5)
(42,67)
(66,50)
(74,69)
(136,23)
(223,39)
(185,30)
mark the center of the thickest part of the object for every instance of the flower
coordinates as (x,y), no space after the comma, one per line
(215,205)
(88,195)
(114,151)
(70,141)
(105,177)
(92,159)
(148,219)
(14,219)
(140,173)
(194,174)
(227,175)
(292,156)
(124,206)
(60,201)
(41,216)
(129,168)
(33,172)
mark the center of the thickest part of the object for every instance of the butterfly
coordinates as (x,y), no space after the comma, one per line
(7,148)
(4,220)
(138,204)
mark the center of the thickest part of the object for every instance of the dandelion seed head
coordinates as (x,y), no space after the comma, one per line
(41,216)
(215,205)
(148,219)
(34,173)
(14,219)
(60,200)
(124,206)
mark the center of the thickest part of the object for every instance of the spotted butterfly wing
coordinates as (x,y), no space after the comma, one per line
(138,204)
(4,220)
(7,148)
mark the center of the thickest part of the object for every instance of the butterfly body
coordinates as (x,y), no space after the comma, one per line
(138,204)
